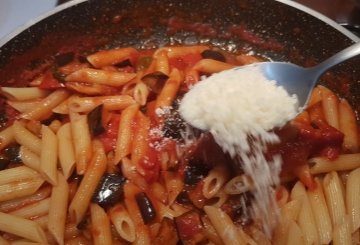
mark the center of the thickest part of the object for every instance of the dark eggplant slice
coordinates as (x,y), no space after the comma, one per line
(155,81)
(195,171)
(183,198)
(173,125)
(64,59)
(95,121)
(212,54)
(10,155)
(110,190)
(147,210)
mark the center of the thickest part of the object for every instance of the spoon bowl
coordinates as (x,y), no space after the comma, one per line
(298,80)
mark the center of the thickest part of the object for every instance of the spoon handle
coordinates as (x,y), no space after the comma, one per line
(342,56)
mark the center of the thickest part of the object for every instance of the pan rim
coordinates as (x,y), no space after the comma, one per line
(37,19)
(290,3)
(321,17)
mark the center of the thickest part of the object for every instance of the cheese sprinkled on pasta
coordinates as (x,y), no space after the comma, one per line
(240,108)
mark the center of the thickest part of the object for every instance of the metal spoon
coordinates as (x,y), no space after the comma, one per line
(299,80)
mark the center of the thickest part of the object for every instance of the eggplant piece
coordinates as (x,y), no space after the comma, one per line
(167,233)
(212,54)
(155,81)
(173,125)
(183,198)
(195,171)
(64,59)
(110,190)
(95,121)
(190,228)
(10,155)
(147,210)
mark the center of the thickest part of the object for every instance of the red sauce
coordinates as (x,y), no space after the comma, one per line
(109,137)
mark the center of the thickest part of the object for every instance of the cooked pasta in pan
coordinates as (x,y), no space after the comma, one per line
(97,153)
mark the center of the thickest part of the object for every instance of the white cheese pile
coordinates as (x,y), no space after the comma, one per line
(238,105)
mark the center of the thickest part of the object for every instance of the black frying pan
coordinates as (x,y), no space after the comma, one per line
(267,27)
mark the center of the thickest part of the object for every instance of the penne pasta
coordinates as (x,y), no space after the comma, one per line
(140,144)
(22,227)
(110,57)
(102,77)
(214,181)
(101,232)
(224,226)
(44,110)
(237,185)
(82,141)
(348,126)
(210,66)
(17,174)
(129,171)
(141,93)
(126,133)
(19,189)
(169,91)
(23,106)
(6,137)
(306,219)
(142,231)
(49,156)
(330,107)
(123,222)
(58,209)
(352,198)
(18,203)
(29,158)
(25,93)
(66,150)
(63,107)
(341,163)
(295,235)
(36,209)
(174,51)
(92,176)
(86,104)
(321,213)
(25,138)
(316,96)
(333,191)
(342,232)
(162,62)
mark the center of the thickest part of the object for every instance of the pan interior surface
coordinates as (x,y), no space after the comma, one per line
(269,28)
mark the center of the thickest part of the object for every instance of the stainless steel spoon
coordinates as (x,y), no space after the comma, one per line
(299,80)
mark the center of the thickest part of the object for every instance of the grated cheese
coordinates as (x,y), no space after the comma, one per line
(240,108)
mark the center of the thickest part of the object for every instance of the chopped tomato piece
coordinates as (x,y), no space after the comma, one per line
(50,82)
(109,137)
(189,227)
